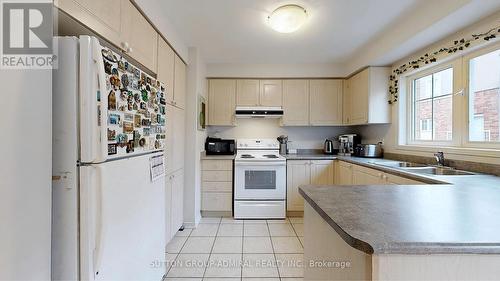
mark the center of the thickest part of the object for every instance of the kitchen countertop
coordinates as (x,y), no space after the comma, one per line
(204,156)
(452,215)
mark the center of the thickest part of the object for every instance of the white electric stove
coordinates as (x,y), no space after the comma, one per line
(259,180)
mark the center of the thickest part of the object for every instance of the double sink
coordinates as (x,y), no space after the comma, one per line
(424,169)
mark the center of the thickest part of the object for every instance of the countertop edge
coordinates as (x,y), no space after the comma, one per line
(402,248)
(353,242)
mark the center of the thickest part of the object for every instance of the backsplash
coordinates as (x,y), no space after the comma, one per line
(301,137)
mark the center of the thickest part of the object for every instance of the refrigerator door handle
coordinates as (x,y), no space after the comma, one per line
(103,113)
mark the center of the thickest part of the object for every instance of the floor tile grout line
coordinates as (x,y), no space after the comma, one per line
(274,252)
(180,250)
(211,250)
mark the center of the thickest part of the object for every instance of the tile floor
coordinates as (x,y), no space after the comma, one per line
(224,249)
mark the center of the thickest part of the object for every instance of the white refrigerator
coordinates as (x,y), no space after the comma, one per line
(108,195)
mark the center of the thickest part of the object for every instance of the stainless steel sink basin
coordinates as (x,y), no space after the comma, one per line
(400,164)
(441,171)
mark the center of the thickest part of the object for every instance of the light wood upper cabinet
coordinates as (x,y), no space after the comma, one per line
(325,102)
(179,83)
(103,17)
(247,92)
(295,102)
(140,36)
(166,65)
(346,102)
(367,97)
(175,140)
(221,102)
(271,92)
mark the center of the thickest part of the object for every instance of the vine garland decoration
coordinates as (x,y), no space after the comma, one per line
(432,57)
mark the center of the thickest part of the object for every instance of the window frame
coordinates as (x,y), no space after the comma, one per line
(410,101)
(460,143)
(466,81)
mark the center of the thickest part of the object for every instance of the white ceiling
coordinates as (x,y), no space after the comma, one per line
(338,31)
(236,31)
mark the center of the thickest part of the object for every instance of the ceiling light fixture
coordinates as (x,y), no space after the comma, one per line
(288,18)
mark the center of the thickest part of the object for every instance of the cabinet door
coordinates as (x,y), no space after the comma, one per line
(346,102)
(392,179)
(298,173)
(366,176)
(174,150)
(103,17)
(345,173)
(166,64)
(221,102)
(247,92)
(271,92)
(140,35)
(177,200)
(180,83)
(295,103)
(322,172)
(359,86)
(168,208)
(179,135)
(325,102)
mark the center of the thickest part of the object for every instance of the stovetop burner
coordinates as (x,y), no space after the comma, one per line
(270,156)
(247,156)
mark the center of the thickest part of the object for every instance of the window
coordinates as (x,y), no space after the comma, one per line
(455,104)
(431,106)
(484,97)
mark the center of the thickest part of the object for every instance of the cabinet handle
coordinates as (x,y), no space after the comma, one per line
(125,46)
(129,50)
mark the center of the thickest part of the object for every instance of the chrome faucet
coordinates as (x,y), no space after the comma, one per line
(439,158)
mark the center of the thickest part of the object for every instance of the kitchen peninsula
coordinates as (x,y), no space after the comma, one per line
(446,231)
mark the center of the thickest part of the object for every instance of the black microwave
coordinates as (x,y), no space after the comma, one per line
(217,146)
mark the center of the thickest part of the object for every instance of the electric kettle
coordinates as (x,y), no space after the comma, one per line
(328,148)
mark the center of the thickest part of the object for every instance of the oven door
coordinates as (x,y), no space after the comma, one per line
(260,180)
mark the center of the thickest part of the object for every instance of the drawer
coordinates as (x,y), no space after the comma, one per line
(217,186)
(217,165)
(216,201)
(217,176)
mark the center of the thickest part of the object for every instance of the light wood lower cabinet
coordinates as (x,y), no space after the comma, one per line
(345,174)
(351,174)
(174,187)
(304,172)
(217,185)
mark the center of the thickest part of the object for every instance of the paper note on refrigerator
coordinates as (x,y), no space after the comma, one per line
(157,167)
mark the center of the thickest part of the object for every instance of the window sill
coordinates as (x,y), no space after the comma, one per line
(468,151)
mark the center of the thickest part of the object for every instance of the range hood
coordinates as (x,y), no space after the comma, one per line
(259,112)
